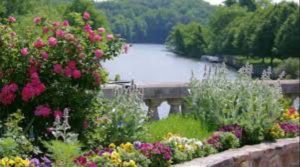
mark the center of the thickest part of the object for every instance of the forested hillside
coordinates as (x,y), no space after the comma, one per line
(150,21)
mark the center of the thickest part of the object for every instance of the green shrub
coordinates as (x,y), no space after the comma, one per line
(50,66)
(117,120)
(229,140)
(13,141)
(291,67)
(63,153)
(243,101)
(8,147)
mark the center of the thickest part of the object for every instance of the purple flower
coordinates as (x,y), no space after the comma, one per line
(137,145)
(236,129)
(289,128)
(214,140)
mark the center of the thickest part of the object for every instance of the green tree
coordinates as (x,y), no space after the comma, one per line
(229,3)
(288,37)
(188,40)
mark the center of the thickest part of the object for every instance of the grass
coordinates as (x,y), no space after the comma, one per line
(177,124)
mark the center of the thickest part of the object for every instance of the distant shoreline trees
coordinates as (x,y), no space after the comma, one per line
(270,31)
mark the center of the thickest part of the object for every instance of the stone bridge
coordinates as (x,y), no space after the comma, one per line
(174,93)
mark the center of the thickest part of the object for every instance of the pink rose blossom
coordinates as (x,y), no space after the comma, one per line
(86,15)
(45,55)
(37,20)
(88,28)
(56,23)
(97,38)
(39,43)
(66,23)
(101,30)
(98,53)
(76,74)
(110,37)
(68,72)
(72,64)
(7,93)
(11,19)
(24,51)
(45,30)
(42,111)
(59,33)
(34,88)
(52,41)
(57,68)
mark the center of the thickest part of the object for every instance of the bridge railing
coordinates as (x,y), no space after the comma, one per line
(174,93)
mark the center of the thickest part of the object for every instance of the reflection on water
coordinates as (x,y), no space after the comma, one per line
(152,63)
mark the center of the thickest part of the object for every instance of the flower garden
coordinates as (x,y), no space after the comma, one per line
(52,112)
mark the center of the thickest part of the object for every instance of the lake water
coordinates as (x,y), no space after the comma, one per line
(153,63)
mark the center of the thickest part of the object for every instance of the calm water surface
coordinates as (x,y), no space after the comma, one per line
(152,63)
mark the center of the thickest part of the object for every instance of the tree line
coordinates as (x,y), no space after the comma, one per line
(260,30)
(150,21)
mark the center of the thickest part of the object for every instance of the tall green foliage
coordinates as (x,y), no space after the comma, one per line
(188,40)
(243,101)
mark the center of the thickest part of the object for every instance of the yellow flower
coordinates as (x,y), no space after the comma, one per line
(277,132)
(181,147)
(115,158)
(128,147)
(112,146)
(131,163)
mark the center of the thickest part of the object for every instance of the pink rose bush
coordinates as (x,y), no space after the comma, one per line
(55,65)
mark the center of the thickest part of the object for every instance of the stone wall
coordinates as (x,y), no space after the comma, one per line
(282,153)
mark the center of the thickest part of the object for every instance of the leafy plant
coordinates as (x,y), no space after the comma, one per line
(8,147)
(50,66)
(117,120)
(63,153)
(229,140)
(252,104)
(13,141)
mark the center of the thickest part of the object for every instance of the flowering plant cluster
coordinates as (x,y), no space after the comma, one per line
(236,129)
(127,155)
(288,125)
(224,140)
(290,114)
(183,148)
(14,161)
(51,66)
